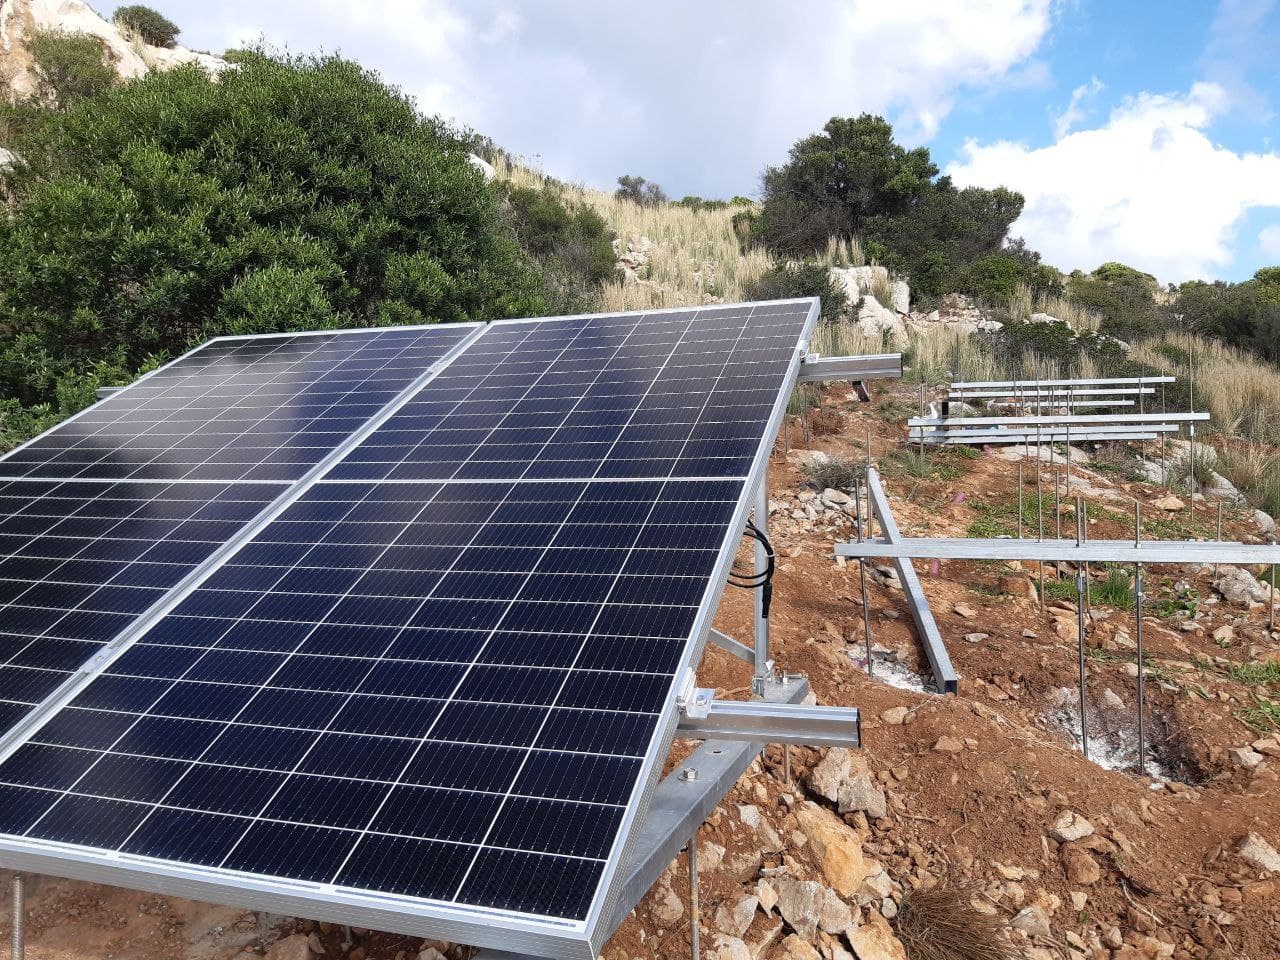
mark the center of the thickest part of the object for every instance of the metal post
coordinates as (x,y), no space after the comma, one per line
(862,574)
(695,935)
(922,417)
(19,916)
(1271,621)
(871,526)
(1080,614)
(1057,501)
(1019,499)
(1067,476)
(1215,566)
(1040,522)
(761,564)
(1139,596)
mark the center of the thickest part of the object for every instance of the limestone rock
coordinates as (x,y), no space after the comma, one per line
(1033,922)
(1170,503)
(667,907)
(1259,852)
(710,856)
(831,771)
(1080,867)
(1239,586)
(290,948)
(1069,827)
(948,745)
(730,948)
(873,939)
(837,848)
(895,716)
(794,948)
(735,917)
(1246,757)
(767,896)
(862,793)
(807,906)
(1266,523)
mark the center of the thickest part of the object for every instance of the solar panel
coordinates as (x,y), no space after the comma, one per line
(82,559)
(441,683)
(240,408)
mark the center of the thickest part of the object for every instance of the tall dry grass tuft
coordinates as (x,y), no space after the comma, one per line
(844,253)
(1024,303)
(1241,392)
(940,923)
(695,256)
(941,354)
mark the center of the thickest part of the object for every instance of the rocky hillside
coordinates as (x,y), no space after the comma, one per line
(21,19)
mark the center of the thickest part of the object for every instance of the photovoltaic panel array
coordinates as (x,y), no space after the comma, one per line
(115,507)
(444,674)
(247,408)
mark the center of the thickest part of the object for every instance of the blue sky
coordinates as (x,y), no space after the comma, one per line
(1139,132)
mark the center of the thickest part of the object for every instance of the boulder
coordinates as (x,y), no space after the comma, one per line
(948,745)
(1080,867)
(1169,503)
(876,320)
(895,716)
(837,848)
(794,948)
(290,948)
(1266,523)
(1239,586)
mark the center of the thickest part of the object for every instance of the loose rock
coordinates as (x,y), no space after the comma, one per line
(1069,827)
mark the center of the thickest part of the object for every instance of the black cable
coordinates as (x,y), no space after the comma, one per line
(763,580)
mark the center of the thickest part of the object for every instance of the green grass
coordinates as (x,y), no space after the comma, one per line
(1116,590)
(895,410)
(909,462)
(1262,717)
(1255,673)
(1064,589)
(1171,601)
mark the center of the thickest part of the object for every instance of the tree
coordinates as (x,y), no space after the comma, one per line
(638,190)
(151,25)
(286,195)
(853,179)
(69,67)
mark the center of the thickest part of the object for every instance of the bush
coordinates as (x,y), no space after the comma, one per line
(288,194)
(150,25)
(638,190)
(69,67)
(801,280)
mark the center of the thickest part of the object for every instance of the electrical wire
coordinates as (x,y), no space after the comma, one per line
(762,580)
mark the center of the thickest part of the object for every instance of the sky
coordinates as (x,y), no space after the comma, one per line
(1138,132)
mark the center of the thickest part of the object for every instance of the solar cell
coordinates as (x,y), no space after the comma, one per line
(444,676)
(242,408)
(79,562)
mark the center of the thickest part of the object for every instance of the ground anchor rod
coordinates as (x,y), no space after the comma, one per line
(862,572)
(19,915)
(694,918)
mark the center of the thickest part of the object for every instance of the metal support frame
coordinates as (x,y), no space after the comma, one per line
(680,805)
(880,366)
(757,720)
(1089,551)
(1025,385)
(1049,420)
(103,393)
(764,666)
(730,645)
(944,674)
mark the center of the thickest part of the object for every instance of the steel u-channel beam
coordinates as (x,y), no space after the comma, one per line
(1070,551)
(879,366)
(681,803)
(758,720)
(944,674)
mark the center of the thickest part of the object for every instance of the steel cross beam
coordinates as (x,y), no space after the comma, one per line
(879,366)
(944,674)
(1034,384)
(1087,419)
(1089,551)
(680,804)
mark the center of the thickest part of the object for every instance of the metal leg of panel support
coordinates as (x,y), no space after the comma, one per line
(695,935)
(19,915)
(763,667)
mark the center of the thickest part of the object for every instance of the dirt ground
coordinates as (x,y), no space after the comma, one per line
(1169,882)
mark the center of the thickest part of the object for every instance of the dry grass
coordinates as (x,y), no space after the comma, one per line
(1241,392)
(942,354)
(695,256)
(1023,304)
(939,923)
(844,253)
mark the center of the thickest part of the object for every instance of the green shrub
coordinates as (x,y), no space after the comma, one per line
(638,190)
(567,238)
(838,473)
(150,25)
(69,67)
(801,280)
(288,194)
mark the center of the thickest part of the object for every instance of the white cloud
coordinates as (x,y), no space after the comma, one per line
(1149,188)
(1269,242)
(1075,111)
(698,96)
